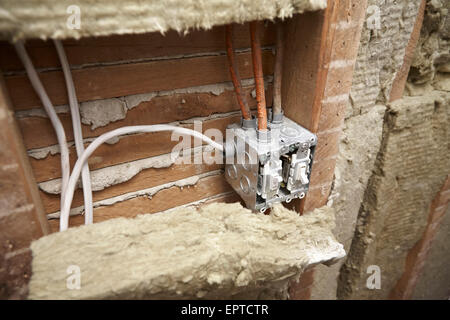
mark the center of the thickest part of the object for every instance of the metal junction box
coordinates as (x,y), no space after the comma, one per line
(277,169)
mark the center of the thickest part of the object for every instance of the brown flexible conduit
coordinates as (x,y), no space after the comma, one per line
(232,66)
(278,71)
(258,72)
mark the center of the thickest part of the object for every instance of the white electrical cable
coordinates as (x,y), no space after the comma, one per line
(57,126)
(65,211)
(76,124)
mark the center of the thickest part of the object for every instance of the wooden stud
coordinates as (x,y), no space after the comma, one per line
(320,53)
(22,217)
(130,48)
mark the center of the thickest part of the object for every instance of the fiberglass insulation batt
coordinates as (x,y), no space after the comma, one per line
(49,18)
(219,251)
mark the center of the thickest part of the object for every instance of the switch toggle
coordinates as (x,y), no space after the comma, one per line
(300,173)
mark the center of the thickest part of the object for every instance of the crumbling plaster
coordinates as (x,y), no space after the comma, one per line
(411,165)
(435,280)
(359,145)
(380,56)
(384,38)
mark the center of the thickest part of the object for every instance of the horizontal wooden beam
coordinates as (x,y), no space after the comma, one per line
(128,148)
(22,217)
(147,178)
(116,49)
(103,82)
(38,132)
(163,200)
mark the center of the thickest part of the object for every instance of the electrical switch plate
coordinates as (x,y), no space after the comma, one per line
(267,172)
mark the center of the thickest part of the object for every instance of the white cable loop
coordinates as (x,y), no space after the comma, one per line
(65,211)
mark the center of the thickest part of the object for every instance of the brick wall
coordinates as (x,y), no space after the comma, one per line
(21,213)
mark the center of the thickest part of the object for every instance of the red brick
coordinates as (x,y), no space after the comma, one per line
(15,273)
(302,289)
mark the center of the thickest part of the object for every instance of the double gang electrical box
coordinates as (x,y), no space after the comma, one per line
(276,169)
